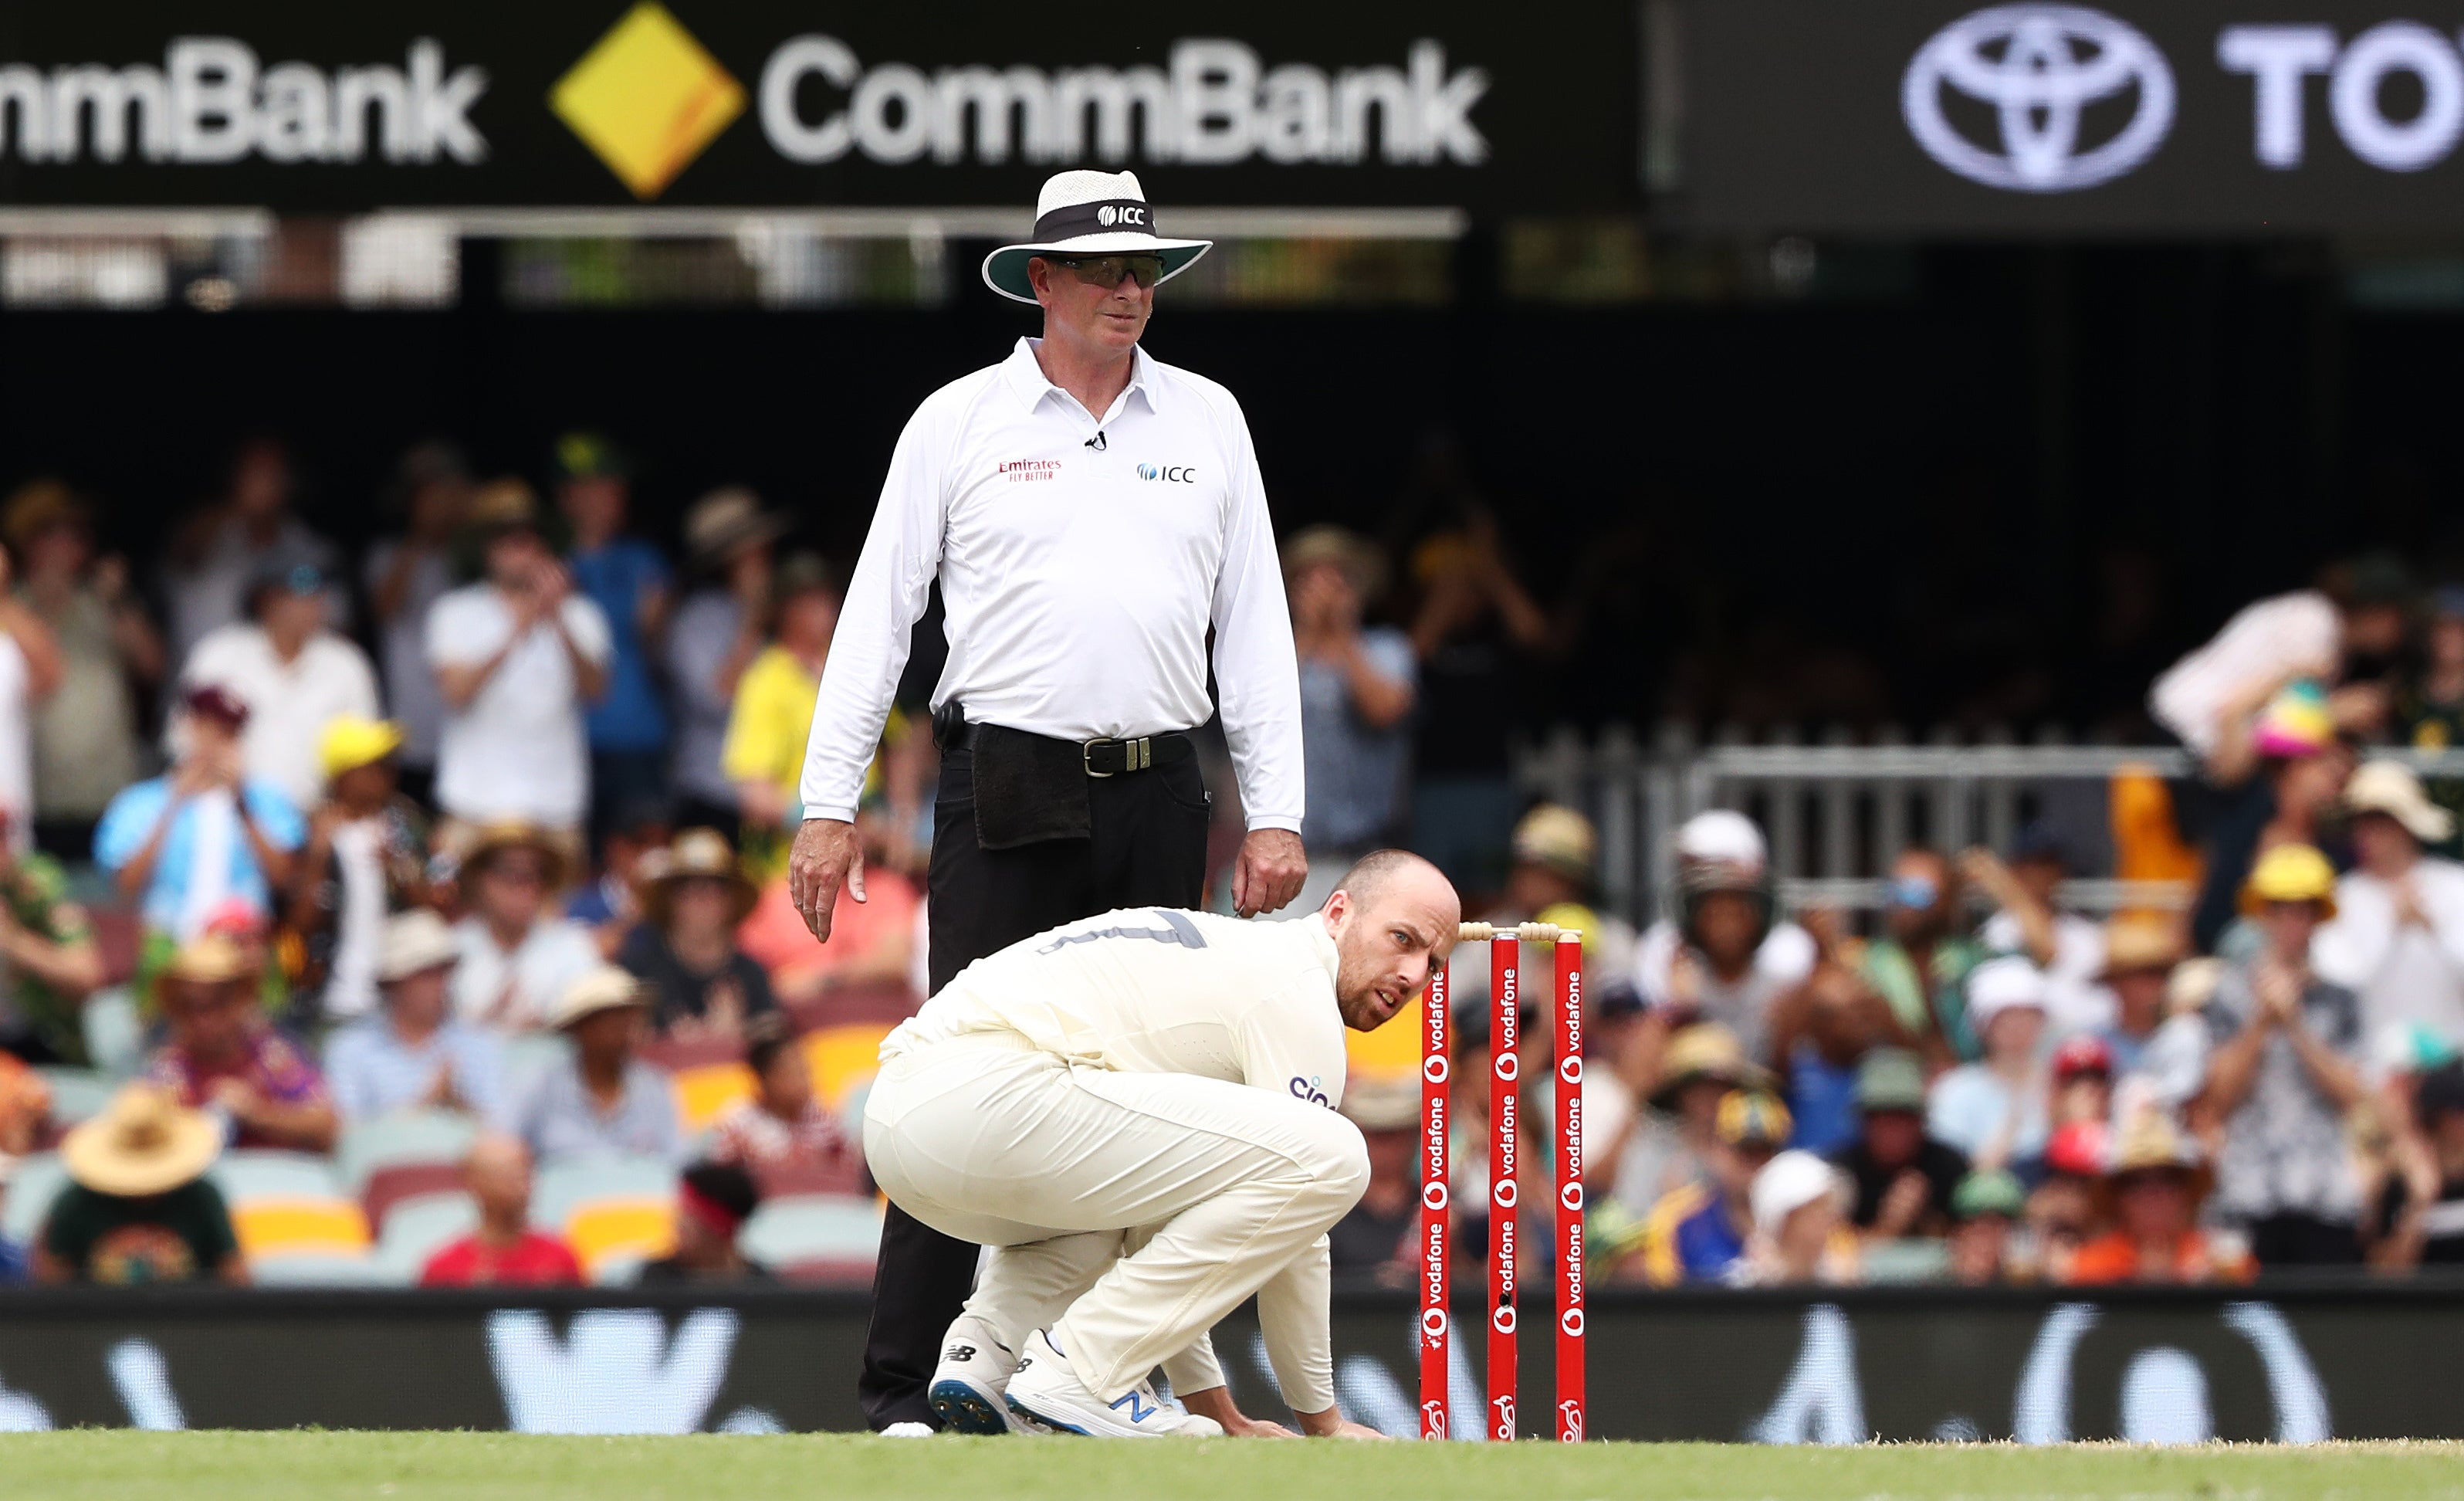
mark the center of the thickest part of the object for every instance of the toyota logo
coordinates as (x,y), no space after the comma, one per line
(2039,67)
(1433,1067)
(1433,1322)
(1432,1194)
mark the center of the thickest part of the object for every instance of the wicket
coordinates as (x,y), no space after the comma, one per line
(1504,967)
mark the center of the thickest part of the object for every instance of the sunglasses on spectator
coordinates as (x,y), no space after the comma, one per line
(1913,891)
(1107,271)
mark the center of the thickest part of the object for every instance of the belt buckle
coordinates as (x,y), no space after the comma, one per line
(1086,757)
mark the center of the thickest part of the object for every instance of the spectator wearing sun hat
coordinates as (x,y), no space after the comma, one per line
(729,541)
(2283,1070)
(365,860)
(139,1209)
(2398,933)
(630,580)
(221,1055)
(415,1053)
(702,984)
(1995,1110)
(1985,1210)
(1902,1175)
(604,1099)
(183,844)
(2151,1198)
(1725,954)
(1799,1204)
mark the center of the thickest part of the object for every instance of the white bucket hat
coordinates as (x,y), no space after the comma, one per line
(2390,787)
(1089,213)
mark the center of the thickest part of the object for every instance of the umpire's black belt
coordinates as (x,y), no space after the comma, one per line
(1028,788)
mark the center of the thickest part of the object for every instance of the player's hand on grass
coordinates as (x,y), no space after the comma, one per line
(826,856)
(1331,1423)
(1216,1403)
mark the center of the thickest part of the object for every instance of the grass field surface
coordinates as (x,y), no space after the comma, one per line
(119,1465)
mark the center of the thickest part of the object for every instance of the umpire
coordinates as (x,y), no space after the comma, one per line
(1093,514)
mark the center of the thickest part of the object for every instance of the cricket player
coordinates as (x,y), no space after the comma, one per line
(1163,1082)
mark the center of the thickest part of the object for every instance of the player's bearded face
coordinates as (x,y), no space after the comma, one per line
(1384,956)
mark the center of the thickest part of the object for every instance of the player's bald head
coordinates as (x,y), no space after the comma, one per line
(1381,871)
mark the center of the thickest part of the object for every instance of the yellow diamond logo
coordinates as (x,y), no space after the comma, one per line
(648,99)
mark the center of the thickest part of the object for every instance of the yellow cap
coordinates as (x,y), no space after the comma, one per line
(350,742)
(2291,873)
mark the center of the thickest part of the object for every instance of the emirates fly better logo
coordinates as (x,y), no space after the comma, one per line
(2050,98)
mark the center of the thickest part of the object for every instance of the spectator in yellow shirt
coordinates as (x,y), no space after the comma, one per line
(766,728)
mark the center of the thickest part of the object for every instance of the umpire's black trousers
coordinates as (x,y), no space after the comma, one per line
(1147,847)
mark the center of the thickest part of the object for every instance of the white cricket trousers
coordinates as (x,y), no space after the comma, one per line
(989,1139)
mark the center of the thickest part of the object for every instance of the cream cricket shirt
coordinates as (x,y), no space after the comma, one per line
(1083,564)
(1157,990)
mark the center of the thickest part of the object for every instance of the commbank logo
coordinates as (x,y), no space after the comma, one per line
(1172,473)
(2040,68)
(648,99)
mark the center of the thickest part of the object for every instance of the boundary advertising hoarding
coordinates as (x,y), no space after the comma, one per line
(2292,1365)
(2248,117)
(691,102)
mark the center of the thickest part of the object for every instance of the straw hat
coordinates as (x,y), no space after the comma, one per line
(2140,940)
(696,854)
(1703,1050)
(415,941)
(2291,874)
(606,988)
(725,523)
(143,1143)
(2390,787)
(514,833)
(1089,213)
(1360,563)
(210,959)
(1559,839)
(37,506)
(2149,1143)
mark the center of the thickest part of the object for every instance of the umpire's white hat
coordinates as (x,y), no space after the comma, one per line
(1089,213)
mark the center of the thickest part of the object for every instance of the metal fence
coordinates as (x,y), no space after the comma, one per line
(1837,811)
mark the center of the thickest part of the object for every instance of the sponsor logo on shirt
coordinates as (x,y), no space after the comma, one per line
(1170,474)
(1019,470)
(1308,1089)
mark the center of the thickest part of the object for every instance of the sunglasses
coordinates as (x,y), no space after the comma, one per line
(1107,271)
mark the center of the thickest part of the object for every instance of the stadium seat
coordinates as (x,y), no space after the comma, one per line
(528,1057)
(309,1270)
(844,1178)
(637,1225)
(392,1141)
(815,1238)
(115,1033)
(566,1184)
(77,1094)
(1904,1261)
(389,1186)
(275,1226)
(258,1173)
(844,1056)
(36,1182)
(704,1093)
(420,1227)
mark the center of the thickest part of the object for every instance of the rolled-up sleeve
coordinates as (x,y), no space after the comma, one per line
(893,580)
(1257,673)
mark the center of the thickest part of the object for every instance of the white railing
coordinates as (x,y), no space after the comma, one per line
(1836,812)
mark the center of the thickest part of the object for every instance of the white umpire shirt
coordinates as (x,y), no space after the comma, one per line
(1082,564)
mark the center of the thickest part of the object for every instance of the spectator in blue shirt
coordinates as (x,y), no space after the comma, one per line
(414,1054)
(1697,1233)
(184,845)
(629,581)
(605,1100)
(1357,687)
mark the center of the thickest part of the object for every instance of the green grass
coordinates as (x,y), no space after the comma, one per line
(117,1466)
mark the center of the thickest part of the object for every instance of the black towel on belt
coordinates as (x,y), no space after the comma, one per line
(1028,788)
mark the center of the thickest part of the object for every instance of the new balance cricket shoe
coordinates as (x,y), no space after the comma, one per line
(967,1385)
(1046,1390)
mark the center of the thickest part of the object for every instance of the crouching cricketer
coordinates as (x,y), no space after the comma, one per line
(1160,1083)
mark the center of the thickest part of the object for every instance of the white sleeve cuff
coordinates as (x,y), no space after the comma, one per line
(844,813)
(1275,820)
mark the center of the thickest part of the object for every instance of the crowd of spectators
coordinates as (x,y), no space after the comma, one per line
(490,827)
(1981,1085)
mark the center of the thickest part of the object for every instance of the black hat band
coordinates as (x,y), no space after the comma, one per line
(1078,219)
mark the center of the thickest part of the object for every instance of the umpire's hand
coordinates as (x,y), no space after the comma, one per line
(826,856)
(1271,871)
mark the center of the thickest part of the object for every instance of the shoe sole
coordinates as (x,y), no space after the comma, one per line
(964,1408)
(1048,1424)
